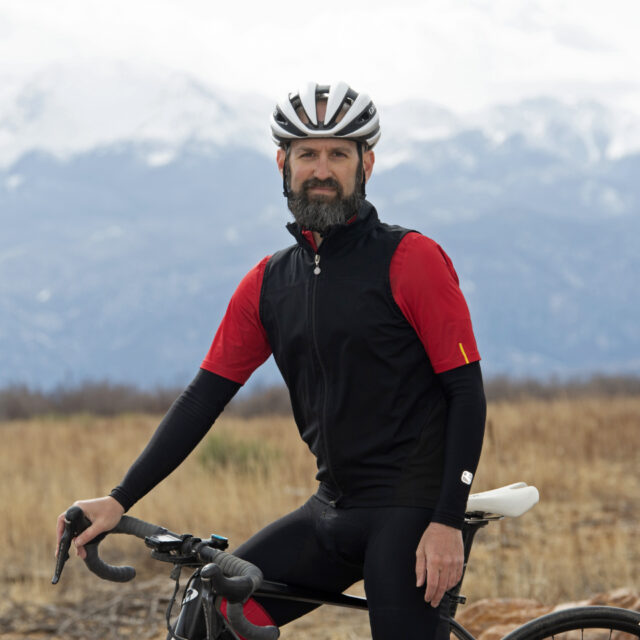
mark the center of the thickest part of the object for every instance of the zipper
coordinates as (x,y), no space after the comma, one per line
(323,420)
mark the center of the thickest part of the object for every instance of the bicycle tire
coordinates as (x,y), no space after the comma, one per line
(456,630)
(581,623)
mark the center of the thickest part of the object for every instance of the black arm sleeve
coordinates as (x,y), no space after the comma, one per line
(186,423)
(466,414)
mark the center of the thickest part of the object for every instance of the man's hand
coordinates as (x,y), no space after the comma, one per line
(104,513)
(439,557)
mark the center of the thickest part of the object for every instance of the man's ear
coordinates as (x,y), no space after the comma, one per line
(281,156)
(368,160)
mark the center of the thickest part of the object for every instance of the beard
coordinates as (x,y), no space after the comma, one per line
(321,213)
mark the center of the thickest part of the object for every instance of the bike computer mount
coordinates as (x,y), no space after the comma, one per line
(171,548)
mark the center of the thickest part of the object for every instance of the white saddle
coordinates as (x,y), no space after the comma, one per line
(512,500)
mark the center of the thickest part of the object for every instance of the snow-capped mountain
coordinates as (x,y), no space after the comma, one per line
(67,109)
(122,243)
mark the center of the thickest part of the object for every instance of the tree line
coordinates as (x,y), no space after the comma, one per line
(19,402)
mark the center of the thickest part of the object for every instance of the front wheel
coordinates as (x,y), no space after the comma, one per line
(581,623)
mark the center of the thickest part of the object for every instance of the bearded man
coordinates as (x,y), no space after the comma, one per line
(372,335)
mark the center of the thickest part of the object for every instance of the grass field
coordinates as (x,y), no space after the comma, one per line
(581,539)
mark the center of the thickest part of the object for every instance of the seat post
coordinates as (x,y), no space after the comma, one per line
(472,524)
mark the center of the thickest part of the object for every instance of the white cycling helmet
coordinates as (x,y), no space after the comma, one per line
(348,115)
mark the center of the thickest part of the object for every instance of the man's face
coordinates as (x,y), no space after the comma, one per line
(325,168)
(324,180)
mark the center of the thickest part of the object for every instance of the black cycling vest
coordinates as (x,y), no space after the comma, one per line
(364,394)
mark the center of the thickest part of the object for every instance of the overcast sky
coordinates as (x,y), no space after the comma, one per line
(463,55)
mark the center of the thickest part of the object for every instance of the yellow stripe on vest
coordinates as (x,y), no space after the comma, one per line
(463,353)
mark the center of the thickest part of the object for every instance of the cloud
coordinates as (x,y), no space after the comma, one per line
(577,38)
(462,55)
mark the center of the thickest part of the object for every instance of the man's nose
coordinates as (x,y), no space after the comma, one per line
(322,170)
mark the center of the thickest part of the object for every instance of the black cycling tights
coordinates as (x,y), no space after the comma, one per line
(319,546)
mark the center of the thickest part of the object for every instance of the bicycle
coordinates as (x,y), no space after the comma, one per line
(212,601)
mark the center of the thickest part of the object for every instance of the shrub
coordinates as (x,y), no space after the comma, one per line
(221,450)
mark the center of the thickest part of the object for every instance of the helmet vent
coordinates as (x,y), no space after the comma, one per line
(347,114)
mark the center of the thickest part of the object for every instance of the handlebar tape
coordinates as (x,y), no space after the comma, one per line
(131,526)
(139,528)
(106,571)
(247,629)
(245,579)
(233,588)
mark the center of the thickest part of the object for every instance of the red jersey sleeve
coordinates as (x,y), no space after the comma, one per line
(240,345)
(425,287)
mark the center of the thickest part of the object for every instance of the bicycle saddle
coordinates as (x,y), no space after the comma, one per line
(512,500)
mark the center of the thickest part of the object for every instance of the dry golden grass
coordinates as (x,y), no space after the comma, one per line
(582,538)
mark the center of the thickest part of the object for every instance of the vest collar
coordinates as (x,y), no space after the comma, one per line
(366,217)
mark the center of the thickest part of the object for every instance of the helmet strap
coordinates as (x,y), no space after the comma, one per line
(363,185)
(285,166)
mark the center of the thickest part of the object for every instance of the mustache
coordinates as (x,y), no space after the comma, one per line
(311,183)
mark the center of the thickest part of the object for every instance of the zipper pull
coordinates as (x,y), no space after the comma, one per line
(316,271)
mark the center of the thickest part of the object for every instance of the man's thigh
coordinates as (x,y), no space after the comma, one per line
(396,606)
(290,550)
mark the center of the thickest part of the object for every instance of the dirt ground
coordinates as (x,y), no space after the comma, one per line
(138,611)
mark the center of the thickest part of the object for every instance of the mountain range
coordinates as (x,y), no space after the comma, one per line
(119,250)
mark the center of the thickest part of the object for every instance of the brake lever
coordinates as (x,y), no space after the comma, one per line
(75,522)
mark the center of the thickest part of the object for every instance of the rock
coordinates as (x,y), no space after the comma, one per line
(571,605)
(497,631)
(490,612)
(625,598)
(493,618)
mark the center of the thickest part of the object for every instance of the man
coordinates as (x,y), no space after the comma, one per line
(373,338)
